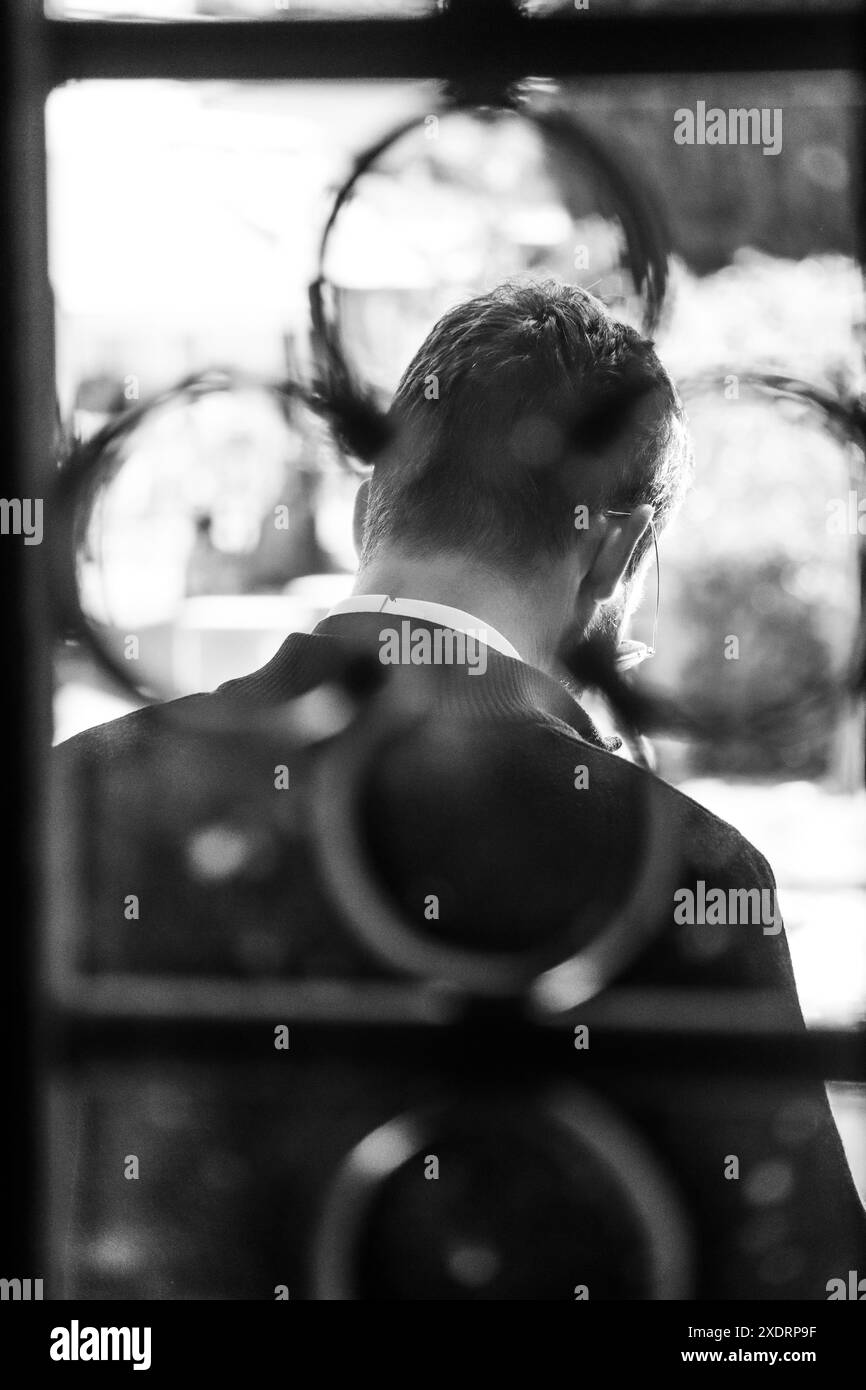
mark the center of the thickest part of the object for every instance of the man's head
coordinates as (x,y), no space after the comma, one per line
(527,415)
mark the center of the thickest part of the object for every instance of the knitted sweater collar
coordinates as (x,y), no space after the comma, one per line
(509,686)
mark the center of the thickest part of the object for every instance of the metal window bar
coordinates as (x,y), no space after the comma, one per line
(472,39)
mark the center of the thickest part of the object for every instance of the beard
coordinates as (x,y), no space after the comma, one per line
(604,631)
(606,624)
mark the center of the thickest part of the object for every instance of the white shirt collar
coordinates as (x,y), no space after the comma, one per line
(438,613)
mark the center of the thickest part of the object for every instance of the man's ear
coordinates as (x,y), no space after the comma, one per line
(359,515)
(616,547)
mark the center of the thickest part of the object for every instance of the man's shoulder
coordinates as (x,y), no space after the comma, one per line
(536,762)
(705,836)
(598,793)
(120,737)
(299,664)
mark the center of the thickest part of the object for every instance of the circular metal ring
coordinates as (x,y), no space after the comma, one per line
(581,1118)
(646,238)
(88,464)
(557,975)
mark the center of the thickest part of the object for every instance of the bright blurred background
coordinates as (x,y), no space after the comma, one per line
(185,225)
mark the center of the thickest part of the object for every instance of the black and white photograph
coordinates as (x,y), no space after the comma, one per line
(433,592)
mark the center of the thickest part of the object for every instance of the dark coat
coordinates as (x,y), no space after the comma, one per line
(508,810)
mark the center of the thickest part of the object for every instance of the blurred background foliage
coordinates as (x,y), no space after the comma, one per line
(185,231)
(185,222)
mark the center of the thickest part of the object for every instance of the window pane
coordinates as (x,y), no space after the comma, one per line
(185,225)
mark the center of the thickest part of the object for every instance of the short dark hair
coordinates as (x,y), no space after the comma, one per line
(487,454)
